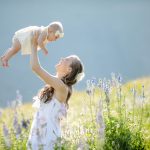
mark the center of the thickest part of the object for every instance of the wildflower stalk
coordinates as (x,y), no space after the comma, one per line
(119,101)
(142,110)
(125,110)
(107,104)
(6,135)
(91,110)
(134,98)
(90,91)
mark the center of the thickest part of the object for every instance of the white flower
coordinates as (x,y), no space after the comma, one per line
(59,34)
(80,76)
(36,102)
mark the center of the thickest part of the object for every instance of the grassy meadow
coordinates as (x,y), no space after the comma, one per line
(107,115)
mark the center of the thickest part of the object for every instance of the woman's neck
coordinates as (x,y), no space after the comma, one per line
(59,76)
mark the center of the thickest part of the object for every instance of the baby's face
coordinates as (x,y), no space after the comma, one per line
(52,37)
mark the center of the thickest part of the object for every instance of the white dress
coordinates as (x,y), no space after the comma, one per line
(25,38)
(45,128)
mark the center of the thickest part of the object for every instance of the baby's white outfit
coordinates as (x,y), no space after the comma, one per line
(45,128)
(25,38)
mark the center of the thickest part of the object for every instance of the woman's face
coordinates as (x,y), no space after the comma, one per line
(63,67)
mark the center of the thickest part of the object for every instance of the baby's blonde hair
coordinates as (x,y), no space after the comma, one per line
(57,27)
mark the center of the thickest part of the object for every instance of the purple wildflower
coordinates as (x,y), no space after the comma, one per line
(18,131)
(113,79)
(6,135)
(101,132)
(93,81)
(143,93)
(25,123)
(100,120)
(100,83)
(133,91)
(82,145)
(0,113)
(99,117)
(119,78)
(106,86)
(88,87)
(17,101)
(16,125)
(5,130)
(15,121)
(116,80)
(19,98)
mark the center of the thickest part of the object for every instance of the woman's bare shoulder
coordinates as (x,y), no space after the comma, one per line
(62,93)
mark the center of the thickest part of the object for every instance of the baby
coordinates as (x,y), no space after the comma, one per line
(24,38)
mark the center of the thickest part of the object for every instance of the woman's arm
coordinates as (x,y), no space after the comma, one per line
(56,83)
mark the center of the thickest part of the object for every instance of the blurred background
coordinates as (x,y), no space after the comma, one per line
(108,36)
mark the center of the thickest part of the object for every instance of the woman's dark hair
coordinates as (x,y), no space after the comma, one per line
(46,93)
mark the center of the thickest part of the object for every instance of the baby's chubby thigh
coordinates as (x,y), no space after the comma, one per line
(16,45)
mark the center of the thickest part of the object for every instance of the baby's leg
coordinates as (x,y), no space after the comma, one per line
(16,46)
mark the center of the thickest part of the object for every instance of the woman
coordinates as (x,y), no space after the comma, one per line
(52,100)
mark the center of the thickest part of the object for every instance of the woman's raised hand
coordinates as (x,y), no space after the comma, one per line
(34,41)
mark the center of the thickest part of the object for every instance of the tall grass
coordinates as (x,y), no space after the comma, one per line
(107,115)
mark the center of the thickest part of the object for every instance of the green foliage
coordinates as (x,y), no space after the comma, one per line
(121,136)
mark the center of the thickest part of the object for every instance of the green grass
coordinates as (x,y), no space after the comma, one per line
(126,120)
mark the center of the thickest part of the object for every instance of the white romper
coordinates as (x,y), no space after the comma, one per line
(45,128)
(25,38)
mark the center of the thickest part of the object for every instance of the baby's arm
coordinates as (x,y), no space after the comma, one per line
(41,40)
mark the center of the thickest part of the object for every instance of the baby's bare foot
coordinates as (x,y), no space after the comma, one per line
(4,61)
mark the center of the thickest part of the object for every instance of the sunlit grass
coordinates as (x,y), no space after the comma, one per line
(81,129)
